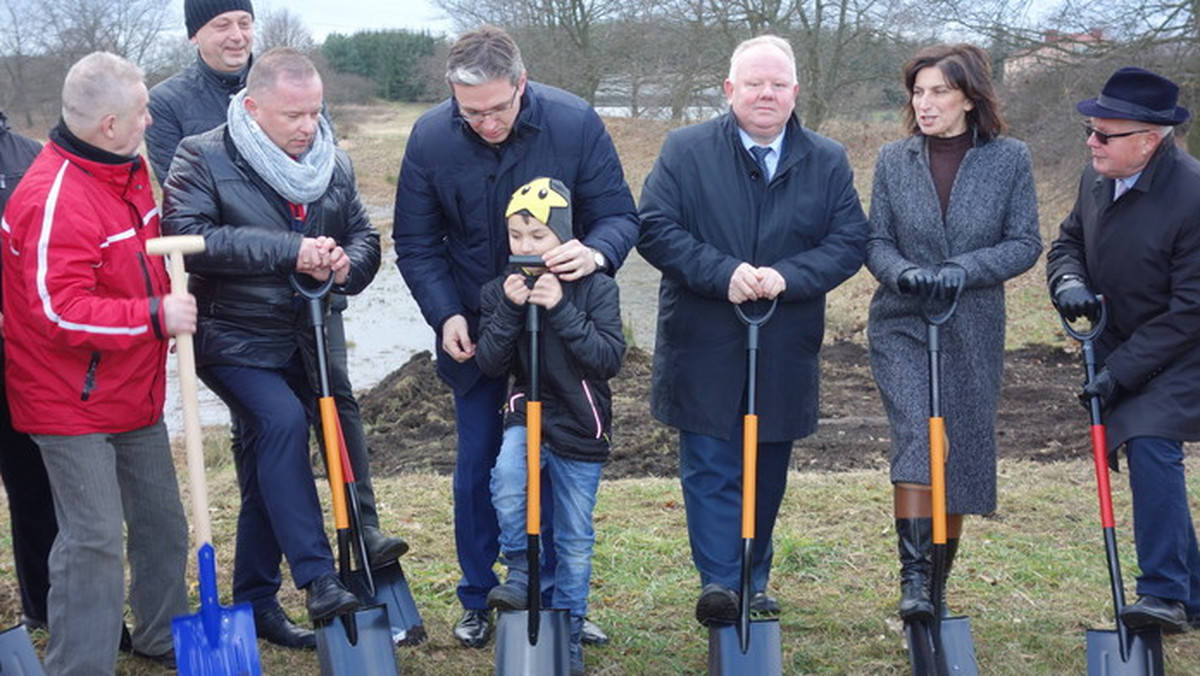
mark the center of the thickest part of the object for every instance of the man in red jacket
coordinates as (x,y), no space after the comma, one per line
(87,320)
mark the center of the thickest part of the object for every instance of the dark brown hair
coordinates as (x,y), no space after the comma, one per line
(966,68)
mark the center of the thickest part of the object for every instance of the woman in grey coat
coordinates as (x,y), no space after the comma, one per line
(953,206)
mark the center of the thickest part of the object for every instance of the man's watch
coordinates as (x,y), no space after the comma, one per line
(598,258)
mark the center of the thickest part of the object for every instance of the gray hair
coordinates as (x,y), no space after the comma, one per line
(763,40)
(482,55)
(98,85)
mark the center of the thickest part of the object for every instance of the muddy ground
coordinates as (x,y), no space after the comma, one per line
(410,416)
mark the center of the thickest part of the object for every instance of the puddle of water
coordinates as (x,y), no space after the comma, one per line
(384,328)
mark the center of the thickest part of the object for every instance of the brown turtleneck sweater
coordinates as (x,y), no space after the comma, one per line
(945,156)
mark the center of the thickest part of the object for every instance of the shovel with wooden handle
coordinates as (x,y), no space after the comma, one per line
(217,640)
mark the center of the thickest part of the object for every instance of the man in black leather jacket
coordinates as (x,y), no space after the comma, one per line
(193,101)
(266,215)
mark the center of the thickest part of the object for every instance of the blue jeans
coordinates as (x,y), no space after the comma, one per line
(710,470)
(573,486)
(1162,522)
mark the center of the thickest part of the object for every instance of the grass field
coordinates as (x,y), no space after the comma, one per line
(1032,578)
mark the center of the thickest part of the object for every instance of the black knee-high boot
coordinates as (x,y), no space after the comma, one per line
(915,538)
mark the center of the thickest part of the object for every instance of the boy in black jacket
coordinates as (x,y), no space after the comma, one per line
(581,348)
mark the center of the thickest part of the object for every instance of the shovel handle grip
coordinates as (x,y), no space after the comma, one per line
(749,473)
(333,462)
(533,464)
(937,477)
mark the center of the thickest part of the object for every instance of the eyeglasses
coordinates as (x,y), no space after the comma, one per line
(1105,138)
(474,116)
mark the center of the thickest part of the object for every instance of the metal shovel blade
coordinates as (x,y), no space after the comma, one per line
(1104,653)
(764,657)
(392,592)
(357,644)
(216,640)
(17,656)
(957,647)
(516,657)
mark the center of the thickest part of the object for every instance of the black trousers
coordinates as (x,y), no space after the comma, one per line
(31,510)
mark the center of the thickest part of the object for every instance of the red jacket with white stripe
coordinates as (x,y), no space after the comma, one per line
(84,333)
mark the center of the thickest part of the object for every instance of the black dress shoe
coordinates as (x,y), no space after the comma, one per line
(474,628)
(716,605)
(763,605)
(593,634)
(382,549)
(274,626)
(327,596)
(1151,611)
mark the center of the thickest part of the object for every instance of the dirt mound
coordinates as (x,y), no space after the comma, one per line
(410,424)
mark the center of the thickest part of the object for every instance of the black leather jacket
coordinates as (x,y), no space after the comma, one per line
(249,313)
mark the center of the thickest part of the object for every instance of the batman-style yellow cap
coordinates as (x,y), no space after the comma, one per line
(547,200)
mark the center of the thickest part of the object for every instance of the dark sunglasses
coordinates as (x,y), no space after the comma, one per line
(1105,138)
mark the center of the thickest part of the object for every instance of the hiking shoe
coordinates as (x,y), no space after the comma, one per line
(716,605)
(509,596)
(764,606)
(593,634)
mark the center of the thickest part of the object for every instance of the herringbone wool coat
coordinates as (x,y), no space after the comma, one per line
(991,230)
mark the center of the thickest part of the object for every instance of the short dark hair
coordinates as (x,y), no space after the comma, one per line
(966,68)
(277,64)
(486,53)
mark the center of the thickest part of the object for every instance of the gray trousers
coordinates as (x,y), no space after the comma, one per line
(102,483)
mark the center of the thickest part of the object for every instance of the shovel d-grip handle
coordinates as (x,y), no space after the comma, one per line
(533,475)
(749,463)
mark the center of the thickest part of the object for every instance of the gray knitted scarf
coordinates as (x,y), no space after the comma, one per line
(299,181)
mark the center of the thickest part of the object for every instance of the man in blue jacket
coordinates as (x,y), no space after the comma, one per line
(748,206)
(464,158)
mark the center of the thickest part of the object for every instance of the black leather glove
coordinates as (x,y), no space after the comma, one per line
(917,282)
(1104,387)
(1074,300)
(951,280)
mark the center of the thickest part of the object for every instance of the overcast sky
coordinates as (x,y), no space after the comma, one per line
(347,16)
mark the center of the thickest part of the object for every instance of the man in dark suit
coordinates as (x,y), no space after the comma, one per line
(1134,238)
(749,206)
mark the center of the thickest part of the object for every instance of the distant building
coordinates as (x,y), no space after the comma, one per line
(1057,49)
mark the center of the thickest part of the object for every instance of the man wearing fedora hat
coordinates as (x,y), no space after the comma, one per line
(1133,238)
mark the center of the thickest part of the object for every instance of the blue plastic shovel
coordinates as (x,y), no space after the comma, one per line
(217,640)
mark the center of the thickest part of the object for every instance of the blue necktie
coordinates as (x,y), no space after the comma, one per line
(760,156)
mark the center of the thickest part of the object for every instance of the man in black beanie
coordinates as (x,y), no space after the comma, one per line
(194,101)
(196,98)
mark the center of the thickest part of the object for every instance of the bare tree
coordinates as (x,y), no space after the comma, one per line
(39,42)
(282,28)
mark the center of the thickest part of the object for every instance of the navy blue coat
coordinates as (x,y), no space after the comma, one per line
(449,229)
(1142,253)
(705,209)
